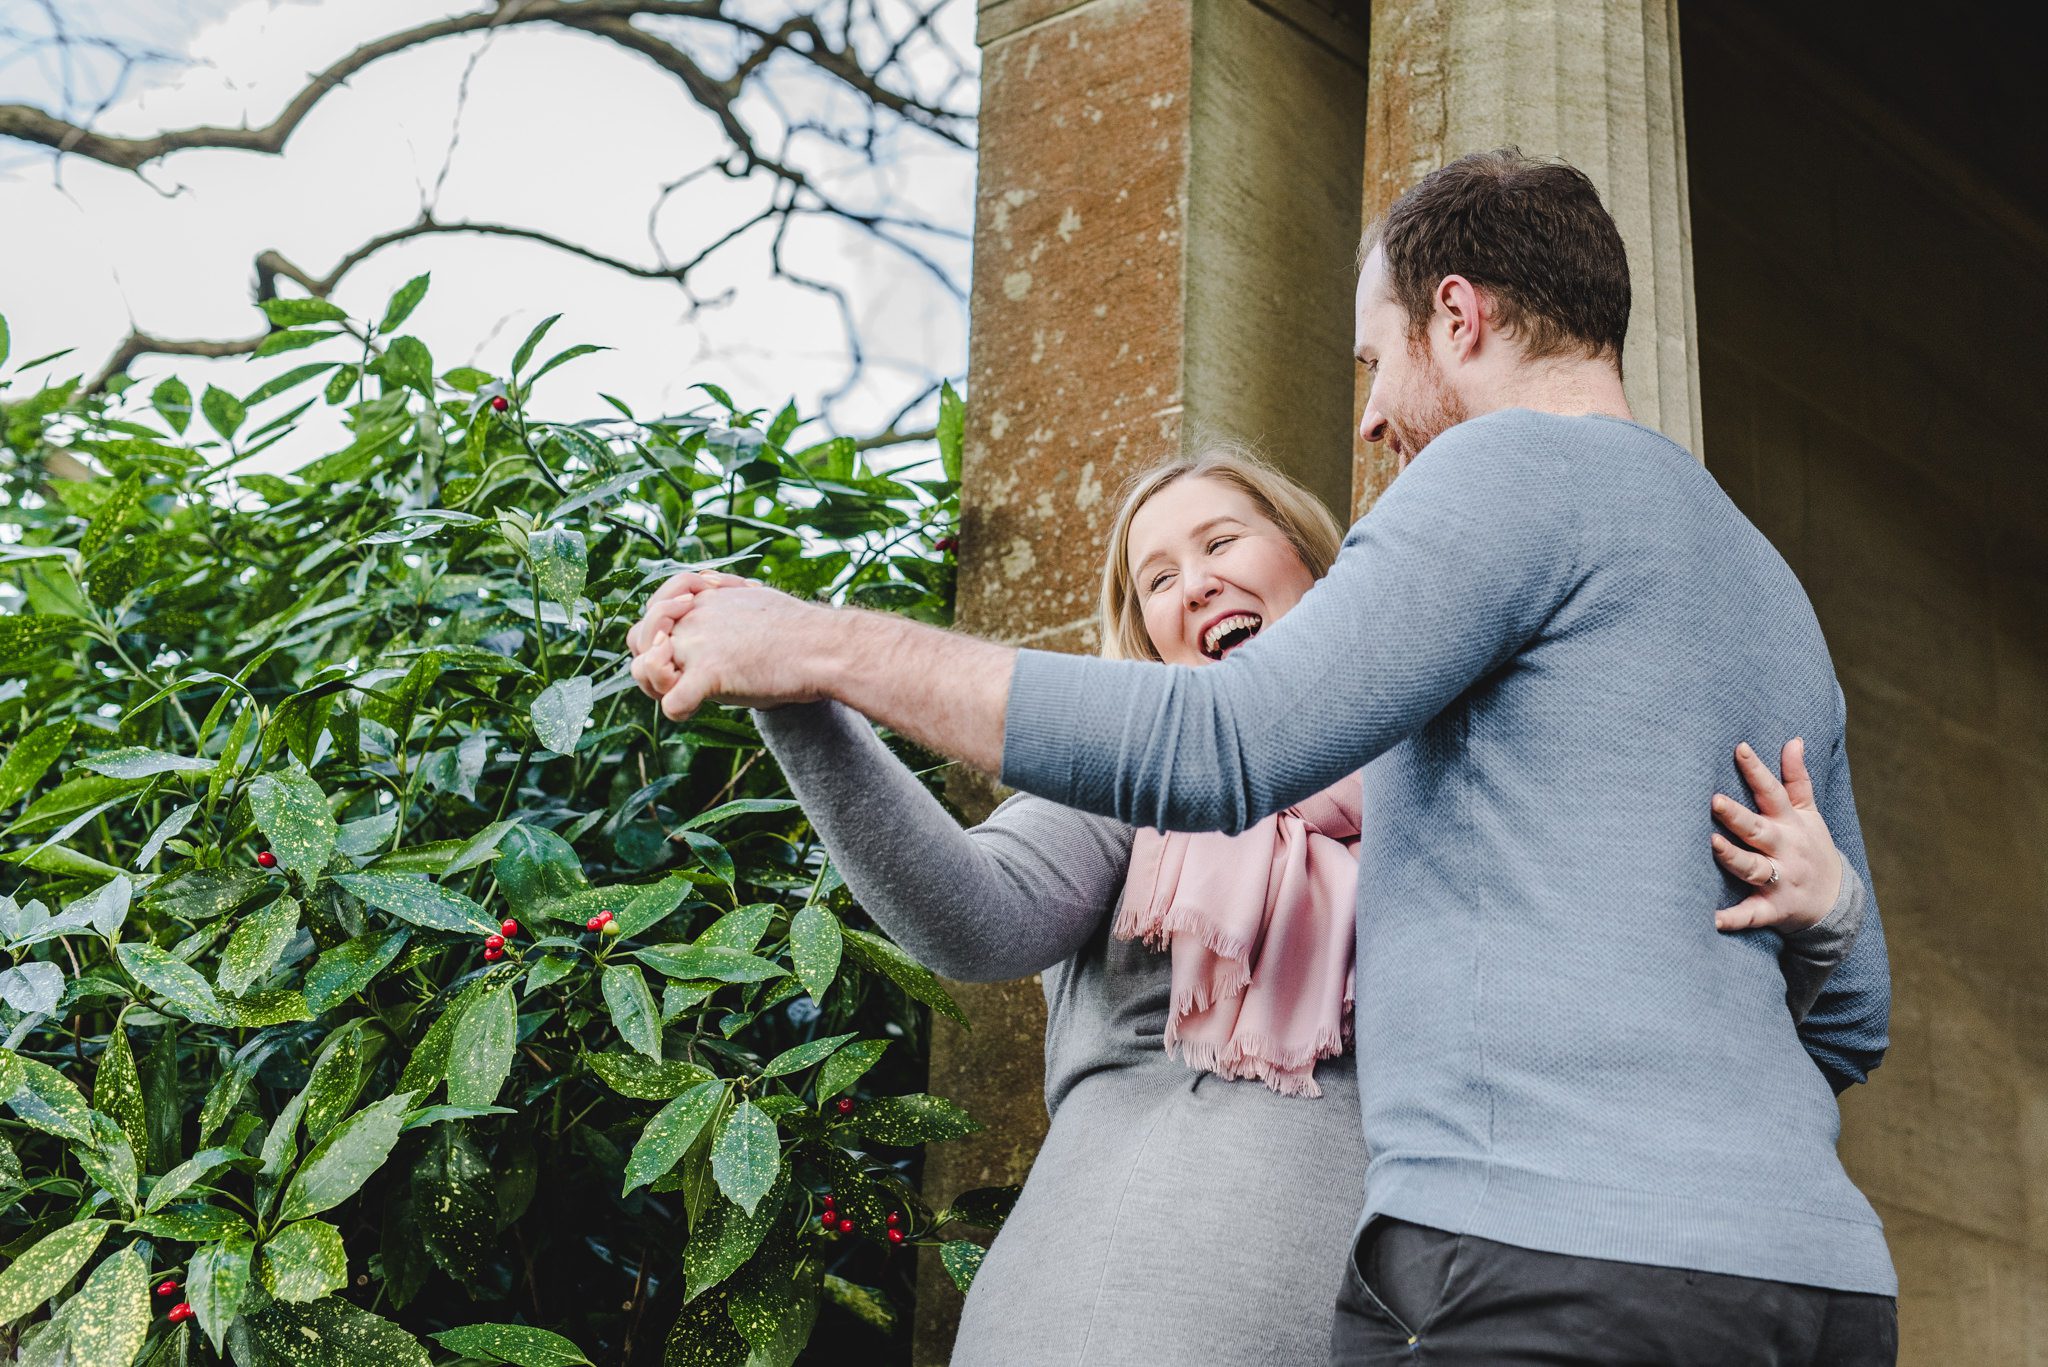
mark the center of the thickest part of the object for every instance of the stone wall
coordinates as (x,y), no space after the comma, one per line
(1870,319)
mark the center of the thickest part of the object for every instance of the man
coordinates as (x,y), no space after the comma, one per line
(1597,1135)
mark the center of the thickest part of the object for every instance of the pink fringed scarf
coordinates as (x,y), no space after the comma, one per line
(1261,927)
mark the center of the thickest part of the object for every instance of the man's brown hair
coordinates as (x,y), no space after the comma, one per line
(1532,234)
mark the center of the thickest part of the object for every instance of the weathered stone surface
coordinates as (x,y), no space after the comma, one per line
(1273,192)
(1075,369)
(1593,81)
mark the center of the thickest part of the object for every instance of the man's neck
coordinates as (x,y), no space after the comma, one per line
(1569,389)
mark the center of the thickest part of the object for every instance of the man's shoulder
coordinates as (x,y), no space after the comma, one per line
(1512,452)
(1568,434)
(1524,442)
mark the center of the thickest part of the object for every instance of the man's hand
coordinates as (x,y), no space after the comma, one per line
(709,636)
(1787,854)
(745,645)
(654,667)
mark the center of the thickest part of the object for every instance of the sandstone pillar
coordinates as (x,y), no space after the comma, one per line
(1165,220)
(1593,81)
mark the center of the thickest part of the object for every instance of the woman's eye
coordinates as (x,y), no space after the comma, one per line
(1220,541)
(1157,582)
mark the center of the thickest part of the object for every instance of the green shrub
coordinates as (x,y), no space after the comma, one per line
(283,750)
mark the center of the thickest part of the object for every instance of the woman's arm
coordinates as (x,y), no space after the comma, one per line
(1810,956)
(1020,892)
(1802,884)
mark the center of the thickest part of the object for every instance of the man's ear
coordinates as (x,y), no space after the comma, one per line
(1462,311)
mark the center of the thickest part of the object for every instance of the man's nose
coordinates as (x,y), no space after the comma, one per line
(1373,425)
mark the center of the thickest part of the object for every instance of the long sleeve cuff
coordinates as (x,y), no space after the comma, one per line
(1812,954)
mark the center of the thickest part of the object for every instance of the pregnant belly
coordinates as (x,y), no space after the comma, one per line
(1175,1217)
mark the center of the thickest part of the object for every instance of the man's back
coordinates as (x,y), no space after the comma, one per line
(1564,1054)
(1547,638)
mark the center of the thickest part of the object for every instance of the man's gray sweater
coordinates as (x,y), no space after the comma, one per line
(1542,644)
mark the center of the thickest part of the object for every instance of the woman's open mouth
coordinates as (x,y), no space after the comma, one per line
(1230,633)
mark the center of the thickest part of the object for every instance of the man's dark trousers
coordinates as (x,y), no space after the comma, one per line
(1414,1295)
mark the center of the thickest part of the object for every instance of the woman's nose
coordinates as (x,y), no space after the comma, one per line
(1201,587)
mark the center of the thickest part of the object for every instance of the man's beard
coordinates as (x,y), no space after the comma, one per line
(1436,409)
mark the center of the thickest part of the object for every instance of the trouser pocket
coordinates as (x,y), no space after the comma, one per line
(1405,1270)
(1362,1268)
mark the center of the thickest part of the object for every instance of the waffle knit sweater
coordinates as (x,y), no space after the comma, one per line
(1543,644)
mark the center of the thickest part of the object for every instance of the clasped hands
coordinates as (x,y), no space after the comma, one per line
(712,637)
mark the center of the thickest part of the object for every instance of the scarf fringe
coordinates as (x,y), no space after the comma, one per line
(1288,1071)
(1230,1062)
(1151,912)
(1157,932)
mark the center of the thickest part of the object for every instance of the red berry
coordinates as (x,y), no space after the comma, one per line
(498,403)
(167,1286)
(828,1219)
(510,928)
(846,1226)
(844,1105)
(180,1312)
(494,942)
(895,1236)
(895,1218)
(592,924)
(946,543)
(603,916)
(491,954)
(267,860)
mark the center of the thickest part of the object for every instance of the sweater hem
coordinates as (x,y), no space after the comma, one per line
(1841,1252)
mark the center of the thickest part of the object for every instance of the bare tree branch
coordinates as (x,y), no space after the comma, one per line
(606,18)
(849,45)
(139,344)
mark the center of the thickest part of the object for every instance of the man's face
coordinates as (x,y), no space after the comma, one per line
(1412,400)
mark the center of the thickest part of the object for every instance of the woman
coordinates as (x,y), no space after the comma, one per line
(1196,1193)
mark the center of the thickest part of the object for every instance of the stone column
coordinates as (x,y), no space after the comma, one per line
(1595,82)
(1165,219)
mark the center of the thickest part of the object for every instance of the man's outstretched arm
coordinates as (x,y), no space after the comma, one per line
(1462,561)
(943,689)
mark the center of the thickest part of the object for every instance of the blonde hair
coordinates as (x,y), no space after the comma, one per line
(1299,515)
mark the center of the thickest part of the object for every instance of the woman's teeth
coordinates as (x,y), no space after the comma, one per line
(1241,626)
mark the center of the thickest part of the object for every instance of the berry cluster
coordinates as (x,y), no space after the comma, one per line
(603,924)
(832,1222)
(494,945)
(180,1312)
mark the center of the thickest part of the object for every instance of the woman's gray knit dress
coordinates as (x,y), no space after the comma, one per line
(1172,1217)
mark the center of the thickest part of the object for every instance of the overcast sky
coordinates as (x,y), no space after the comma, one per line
(560,132)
